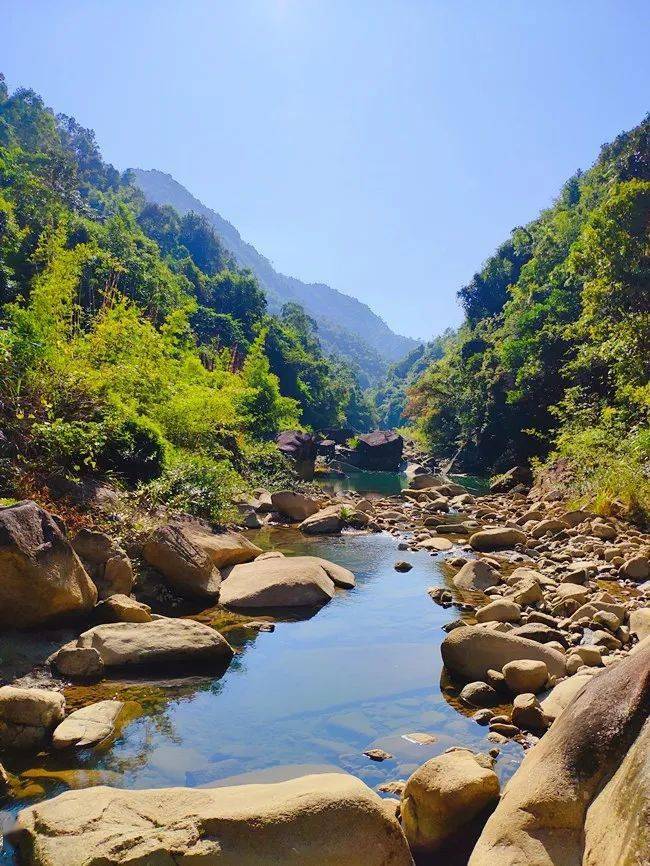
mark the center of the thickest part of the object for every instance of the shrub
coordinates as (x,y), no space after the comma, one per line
(134,450)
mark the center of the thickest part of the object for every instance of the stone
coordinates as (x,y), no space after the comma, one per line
(479,694)
(317,820)
(510,479)
(606,619)
(587,611)
(476,576)
(497,538)
(105,561)
(527,713)
(377,755)
(640,622)
(300,447)
(88,726)
(501,610)
(637,568)
(325,521)
(186,566)
(471,652)
(541,633)
(294,581)
(121,608)
(443,795)
(78,663)
(526,591)
(402,565)
(603,530)
(161,642)
(380,450)
(544,817)
(525,675)
(571,592)
(27,716)
(563,694)
(42,577)
(435,544)
(295,506)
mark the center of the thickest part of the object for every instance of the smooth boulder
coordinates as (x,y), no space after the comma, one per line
(496,538)
(325,521)
(329,819)
(291,581)
(27,716)
(88,726)
(471,652)
(443,795)
(476,576)
(295,506)
(42,577)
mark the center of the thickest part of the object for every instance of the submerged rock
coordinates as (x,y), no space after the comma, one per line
(328,819)
(42,576)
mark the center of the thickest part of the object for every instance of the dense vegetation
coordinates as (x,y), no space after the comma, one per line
(130,341)
(553,358)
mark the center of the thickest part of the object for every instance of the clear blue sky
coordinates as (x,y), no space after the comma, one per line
(383,147)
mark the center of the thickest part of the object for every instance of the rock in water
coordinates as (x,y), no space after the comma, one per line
(325,521)
(295,506)
(292,581)
(330,819)
(476,576)
(497,538)
(41,575)
(580,765)
(379,450)
(88,726)
(27,716)
(471,652)
(443,795)
(160,642)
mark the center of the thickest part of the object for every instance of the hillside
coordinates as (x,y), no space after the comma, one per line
(346,326)
(553,358)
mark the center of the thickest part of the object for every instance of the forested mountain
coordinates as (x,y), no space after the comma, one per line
(346,326)
(554,355)
(130,340)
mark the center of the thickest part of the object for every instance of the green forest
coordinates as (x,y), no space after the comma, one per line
(130,342)
(552,360)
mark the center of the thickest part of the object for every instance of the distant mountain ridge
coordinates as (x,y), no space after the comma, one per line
(347,326)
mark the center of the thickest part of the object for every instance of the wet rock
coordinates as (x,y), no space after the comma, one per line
(443,795)
(42,576)
(27,717)
(295,581)
(479,694)
(88,726)
(525,675)
(105,561)
(497,538)
(161,642)
(476,576)
(402,565)
(335,818)
(471,652)
(295,506)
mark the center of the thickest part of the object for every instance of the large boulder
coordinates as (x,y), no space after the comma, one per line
(470,652)
(443,795)
(41,577)
(380,450)
(545,816)
(27,716)
(328,819)
(190,556)
(476,576)
(300,447)
(105,561)
(325,521)
(160,642)
(295,506)
(497,538)
(290,581)
(88,726)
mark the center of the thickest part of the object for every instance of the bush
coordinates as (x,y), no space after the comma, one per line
(134,450)
(196,485)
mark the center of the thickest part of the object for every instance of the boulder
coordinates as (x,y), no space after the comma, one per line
(541,633)
(379,450)
(292,581)
(298,445)
(160,642)
(637,568)
(512,478)
(295,506)
(88,726)
(525,675)
(328,819)
(443,795)
(549,526)
(525,591)
(479,694)
(436,544)
(326,520)
(497,538)
(105,561)
(640,622)
(27,716)
(121,608)
(543,818)
(425,481)
(476,576)
(78,663)
(471,652)
(527,713)
(500,610)
(42,576)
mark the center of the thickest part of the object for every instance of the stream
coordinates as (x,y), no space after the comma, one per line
(362,672)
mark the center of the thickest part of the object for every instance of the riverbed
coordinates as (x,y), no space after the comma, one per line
(363,672)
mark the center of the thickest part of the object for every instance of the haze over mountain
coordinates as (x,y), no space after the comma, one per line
(346,326)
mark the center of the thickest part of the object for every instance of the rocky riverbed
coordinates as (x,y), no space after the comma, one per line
(539,612)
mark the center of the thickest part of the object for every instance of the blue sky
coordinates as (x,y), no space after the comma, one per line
(383,147)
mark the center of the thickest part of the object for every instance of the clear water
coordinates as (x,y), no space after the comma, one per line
(360,673)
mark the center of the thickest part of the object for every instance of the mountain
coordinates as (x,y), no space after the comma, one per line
(346,326)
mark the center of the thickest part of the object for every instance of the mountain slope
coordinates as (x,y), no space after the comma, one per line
(346,326)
